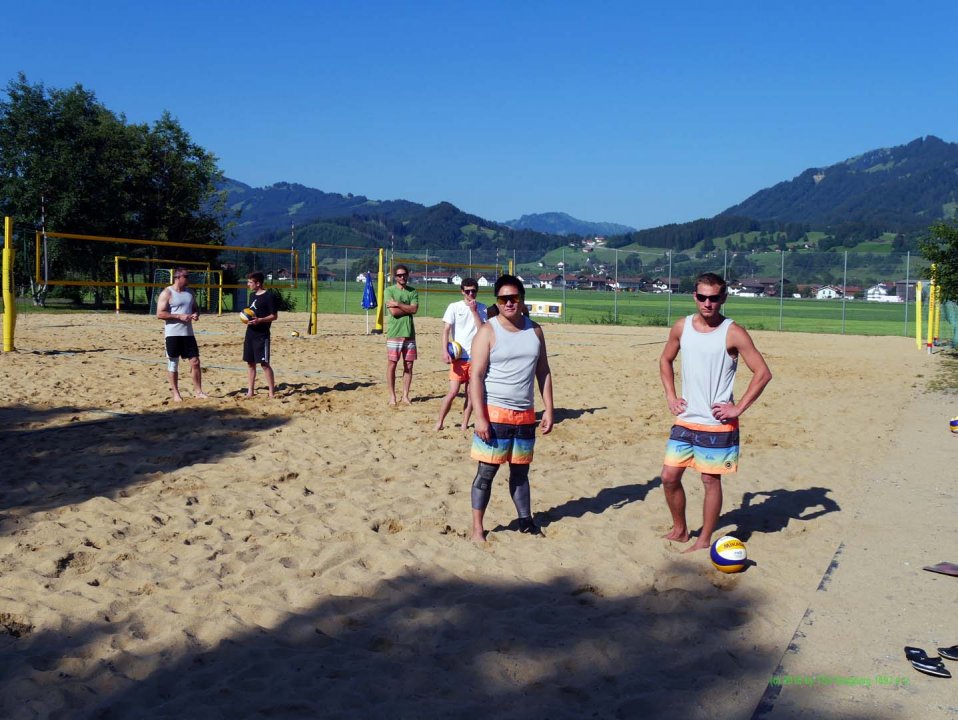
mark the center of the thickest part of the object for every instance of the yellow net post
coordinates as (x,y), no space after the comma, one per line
(931,311)
(9,292)
(380,291)
(116,276)
(937,306)
(314,300)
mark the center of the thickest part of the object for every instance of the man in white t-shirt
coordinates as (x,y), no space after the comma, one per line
(460,323)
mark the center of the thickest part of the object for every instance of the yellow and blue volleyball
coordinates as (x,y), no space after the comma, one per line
(247,315)
(455,350)
(954,425)
(728,554)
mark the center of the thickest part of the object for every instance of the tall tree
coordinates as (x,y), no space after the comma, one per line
(942,250)
(71,164)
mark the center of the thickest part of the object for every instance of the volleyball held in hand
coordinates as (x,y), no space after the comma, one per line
(728,554)
(247,315)
(455,350)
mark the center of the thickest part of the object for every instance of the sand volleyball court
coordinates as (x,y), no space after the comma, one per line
(307,556)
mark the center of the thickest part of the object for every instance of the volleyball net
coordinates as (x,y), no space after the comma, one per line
(126,273)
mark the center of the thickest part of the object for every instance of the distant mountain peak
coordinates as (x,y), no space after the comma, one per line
(560,223)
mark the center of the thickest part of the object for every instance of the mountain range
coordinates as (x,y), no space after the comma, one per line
(902,190)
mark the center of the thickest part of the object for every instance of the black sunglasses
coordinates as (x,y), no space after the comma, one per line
(471,291)
(503,299)
(401,274)
(702,298)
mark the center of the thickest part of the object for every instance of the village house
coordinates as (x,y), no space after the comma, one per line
(882,292)
(827,292)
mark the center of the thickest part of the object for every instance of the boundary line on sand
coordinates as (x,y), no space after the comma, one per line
(767,702)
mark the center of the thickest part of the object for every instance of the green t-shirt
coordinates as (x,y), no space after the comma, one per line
(400,327)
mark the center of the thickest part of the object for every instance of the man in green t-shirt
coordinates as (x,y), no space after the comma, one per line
(402,302)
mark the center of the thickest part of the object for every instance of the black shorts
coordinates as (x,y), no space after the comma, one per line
(182,346)
(256,348)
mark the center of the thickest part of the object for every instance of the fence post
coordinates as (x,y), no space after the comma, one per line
(907,278)
(781,294)
(615,290)
(844,290)
(668,321)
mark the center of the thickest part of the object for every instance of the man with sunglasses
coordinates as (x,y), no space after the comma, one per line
(177,308)
(402,302)
(460,322)
(705,435)
(508,358)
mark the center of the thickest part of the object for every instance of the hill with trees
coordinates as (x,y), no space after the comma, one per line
(901,190)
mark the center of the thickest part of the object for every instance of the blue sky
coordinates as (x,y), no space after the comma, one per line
(630,112)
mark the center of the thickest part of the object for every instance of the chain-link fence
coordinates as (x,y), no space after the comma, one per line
(802,290)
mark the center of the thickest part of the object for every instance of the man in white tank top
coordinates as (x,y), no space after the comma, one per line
(705,435)
(177,308)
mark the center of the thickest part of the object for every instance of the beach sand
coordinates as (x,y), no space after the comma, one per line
(307,556)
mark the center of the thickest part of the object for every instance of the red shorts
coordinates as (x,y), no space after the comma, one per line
(459,370)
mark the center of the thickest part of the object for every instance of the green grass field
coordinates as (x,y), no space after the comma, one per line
(587,307)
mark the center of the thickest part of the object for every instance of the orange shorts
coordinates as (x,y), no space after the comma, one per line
(459,370)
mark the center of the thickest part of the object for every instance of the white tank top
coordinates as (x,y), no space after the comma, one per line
(512,367)
(708,371)
(180,302)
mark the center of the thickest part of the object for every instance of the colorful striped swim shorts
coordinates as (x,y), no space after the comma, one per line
(401,349)
(711,449)
(512,437)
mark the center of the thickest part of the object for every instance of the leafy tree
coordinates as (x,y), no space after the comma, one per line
(69,164)
(942,250)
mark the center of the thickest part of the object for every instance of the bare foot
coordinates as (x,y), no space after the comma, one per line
(698,545)
(272,395)
(677,535)
(392,402)
(406,400)
(438,426)
(201,395)
(177,397)
(479,536)
(250,393)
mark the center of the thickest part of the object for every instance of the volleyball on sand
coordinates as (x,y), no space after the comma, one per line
(728,554)
(954,425)
(455,350)
(247,314)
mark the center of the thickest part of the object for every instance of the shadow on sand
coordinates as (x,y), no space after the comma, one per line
(416,646)
(52,455)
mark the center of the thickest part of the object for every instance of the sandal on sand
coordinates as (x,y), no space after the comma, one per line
(949,653)
(922,663)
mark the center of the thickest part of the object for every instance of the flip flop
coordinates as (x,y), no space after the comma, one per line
(922,663)
(949,653)
(945,568)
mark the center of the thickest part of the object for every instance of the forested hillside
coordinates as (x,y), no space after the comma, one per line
(901,190)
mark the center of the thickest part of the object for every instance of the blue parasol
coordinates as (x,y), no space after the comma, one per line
(369,293)
(369,298)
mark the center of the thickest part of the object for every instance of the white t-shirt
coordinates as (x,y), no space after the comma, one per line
(459,317)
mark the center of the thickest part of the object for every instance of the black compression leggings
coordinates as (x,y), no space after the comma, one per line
(518,487)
